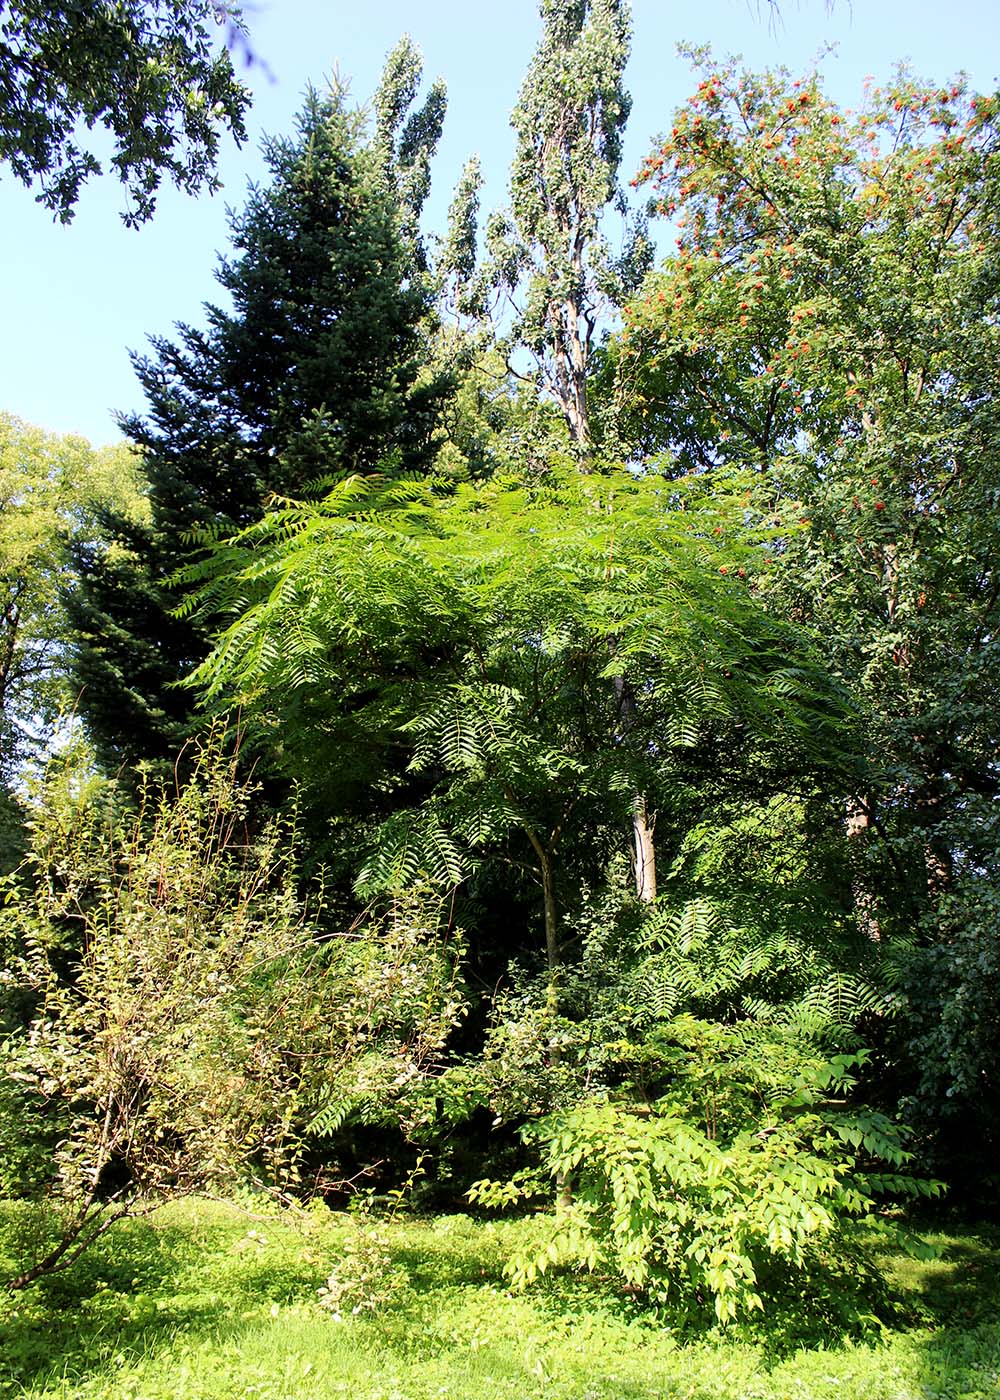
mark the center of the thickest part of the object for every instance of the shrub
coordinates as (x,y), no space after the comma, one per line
(185,1034)
(681,1218)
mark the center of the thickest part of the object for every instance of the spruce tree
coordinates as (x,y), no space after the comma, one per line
(314,372)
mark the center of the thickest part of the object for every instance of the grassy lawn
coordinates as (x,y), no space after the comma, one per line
(203,1302)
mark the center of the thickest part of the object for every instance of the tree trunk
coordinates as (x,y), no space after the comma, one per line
(938,859)
(551,921)
(856,824)
(642,826)
(564,1185)
(570,386)
(645,852)
(547,869)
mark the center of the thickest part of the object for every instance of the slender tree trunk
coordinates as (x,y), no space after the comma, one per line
(645,852)
(564,1184)
(569,387)
(9,621)
(856,824)
(546,866)
(66,1252)
(551,919)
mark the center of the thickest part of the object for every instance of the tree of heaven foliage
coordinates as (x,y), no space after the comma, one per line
(467,645)
(546,253)
(317,371)
(830,315)
(150,72)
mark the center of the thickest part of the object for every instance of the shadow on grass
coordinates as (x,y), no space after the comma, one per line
(962,1362)
(156,1287)
(138,1289)
(958,1298)
(822,1306)
(963,1286)
(834,1302)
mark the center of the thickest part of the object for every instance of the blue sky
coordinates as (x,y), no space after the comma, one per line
(77,299)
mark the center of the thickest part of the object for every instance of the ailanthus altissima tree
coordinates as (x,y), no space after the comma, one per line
(547,254)
(478,638)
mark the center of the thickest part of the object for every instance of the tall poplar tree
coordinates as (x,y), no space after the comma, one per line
(547,249)
(315,372)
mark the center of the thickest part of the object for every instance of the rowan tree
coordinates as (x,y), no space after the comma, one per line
(830,317)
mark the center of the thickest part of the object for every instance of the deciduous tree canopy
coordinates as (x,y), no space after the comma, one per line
(151,72)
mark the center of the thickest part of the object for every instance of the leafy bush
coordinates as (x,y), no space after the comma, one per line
(949,983)
(366,1277)
(186,1033)
(681,1218)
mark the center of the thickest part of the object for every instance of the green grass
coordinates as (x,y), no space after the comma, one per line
(205,1303)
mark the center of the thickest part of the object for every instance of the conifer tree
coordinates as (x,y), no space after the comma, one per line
(315,372)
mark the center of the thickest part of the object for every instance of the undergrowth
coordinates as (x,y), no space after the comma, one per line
(210,1302)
